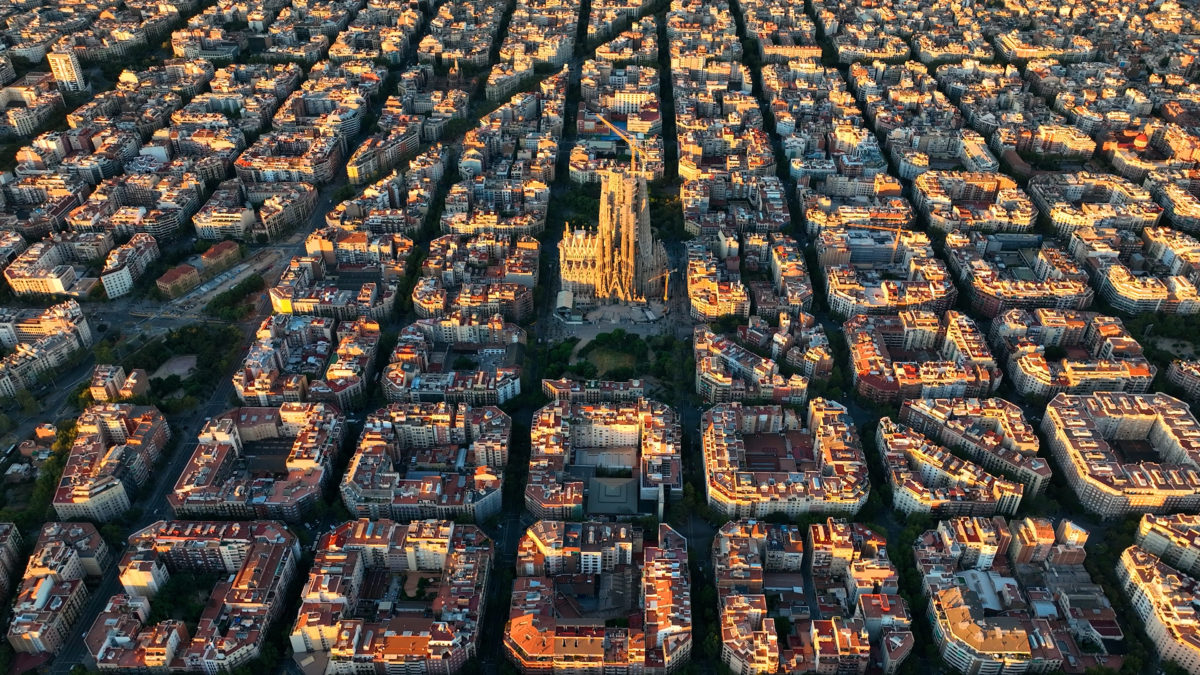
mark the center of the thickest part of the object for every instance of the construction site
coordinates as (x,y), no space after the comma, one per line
(618,263)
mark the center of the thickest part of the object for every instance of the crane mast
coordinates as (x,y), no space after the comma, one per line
(894,230)
(634,150)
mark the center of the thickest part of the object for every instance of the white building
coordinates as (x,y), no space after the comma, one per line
(67,71)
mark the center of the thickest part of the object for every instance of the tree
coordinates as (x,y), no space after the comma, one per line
(113,534)
(783,627)
(104,353)
(1172,668)
(228,304)
(585,369)
(81,397)
(1055,353)
(5,424)
(28,402)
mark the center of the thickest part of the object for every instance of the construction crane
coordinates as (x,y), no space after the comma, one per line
(894,230)
(634,150)
(666,277)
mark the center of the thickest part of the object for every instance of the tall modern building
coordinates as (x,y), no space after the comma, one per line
(67,71)
(620,261)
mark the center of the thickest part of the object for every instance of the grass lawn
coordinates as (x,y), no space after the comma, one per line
(607,360)
(1180,348)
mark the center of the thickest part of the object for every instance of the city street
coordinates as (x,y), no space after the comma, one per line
(153,505)
(913,176)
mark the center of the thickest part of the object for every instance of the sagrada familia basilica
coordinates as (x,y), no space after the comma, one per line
(620,261)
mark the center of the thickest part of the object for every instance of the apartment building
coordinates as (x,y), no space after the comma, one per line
(1001,634)
(789,274)
(496,193)
(52,592)
(309,287)
(258,559)
(541,636)
(1148,145)
(1176,191)
(641,436)
(289,352)
(495,379)
(1071,201)
(220,479)
(1044,139)
(753,455)
(125,264)
(28,104)
(135,203)
(48,199)
(462,33)
(110,384)
(862,621)
(115,449)
(1186,376)
(871,272)
(360,250)
(351,367)
(1175,539)
(714,291)
(593,391)
(1010,271)
(1163,598)
(250,212)
(1092,438)
(343,619)
(749,642)
(927,478)
(10,554)
(727,371)
(429,460)
(53,266)
(1169,283)
(990,432)
(915,148)
(916,354)
(41,342)
(973,201)
(554,547)
(1098,353)
(290,156)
